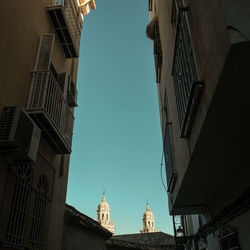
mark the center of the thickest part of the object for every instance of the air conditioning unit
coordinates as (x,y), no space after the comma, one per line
(19,135)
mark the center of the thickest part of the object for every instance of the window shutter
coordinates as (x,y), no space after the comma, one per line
(62,80)
(44,52)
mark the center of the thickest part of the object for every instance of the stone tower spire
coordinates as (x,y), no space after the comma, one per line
(103,215)
(148,221)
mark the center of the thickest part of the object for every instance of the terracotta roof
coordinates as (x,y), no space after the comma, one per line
(157,240)
(75,218)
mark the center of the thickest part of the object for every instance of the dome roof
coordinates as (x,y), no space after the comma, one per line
(148,213)
(103,204)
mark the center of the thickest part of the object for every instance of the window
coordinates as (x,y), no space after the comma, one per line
(149,5)
(148,223)
(18,210)
(157,51)
(38,221)
(228,238)
(187,84)
(102,216)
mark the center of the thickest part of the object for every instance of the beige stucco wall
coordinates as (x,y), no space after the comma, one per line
(21,26)
(209,21)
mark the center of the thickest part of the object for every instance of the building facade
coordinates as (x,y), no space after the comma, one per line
(39,47)
(82,232)
(201,51)
(103,215)
(148,221)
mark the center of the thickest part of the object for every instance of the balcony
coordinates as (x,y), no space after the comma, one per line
(185,75)
(65,18)
(49,109)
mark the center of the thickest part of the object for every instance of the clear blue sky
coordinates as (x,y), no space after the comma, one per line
(117,141)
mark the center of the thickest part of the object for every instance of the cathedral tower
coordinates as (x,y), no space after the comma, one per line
(148,222)
(103,215)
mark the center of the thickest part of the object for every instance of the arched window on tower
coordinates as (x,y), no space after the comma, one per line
(149,223)
(38,221)
(107,216)
(103,216)
(18,210)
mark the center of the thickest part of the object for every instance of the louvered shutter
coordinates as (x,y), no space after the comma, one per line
(44,52)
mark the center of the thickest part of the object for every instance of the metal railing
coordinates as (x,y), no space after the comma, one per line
(46,96)
(185,74)
(72,21)
(66,19)
(176,5)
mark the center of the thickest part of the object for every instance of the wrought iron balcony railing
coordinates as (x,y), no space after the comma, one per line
(49,109)
(65,18)
(185,74)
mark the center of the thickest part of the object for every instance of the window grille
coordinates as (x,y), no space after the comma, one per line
(157,51)
(185,75)
(176,4)
(38,221)
(18,210)
(228,238)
